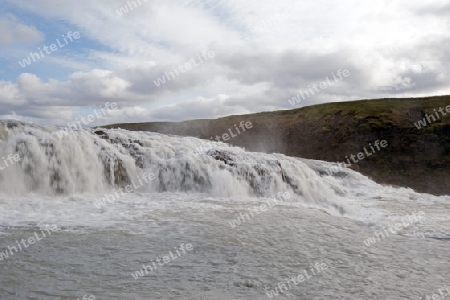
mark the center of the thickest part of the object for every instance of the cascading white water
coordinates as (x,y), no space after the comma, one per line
(94,161)
(99,162)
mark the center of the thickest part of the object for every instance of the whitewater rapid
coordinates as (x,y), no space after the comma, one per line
(94,161)
(90,164)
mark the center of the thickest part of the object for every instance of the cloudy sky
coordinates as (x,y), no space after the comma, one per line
(265,52)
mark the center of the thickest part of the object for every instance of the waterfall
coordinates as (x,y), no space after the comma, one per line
(100,161)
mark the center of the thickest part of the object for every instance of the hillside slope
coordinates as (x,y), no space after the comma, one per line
(416,158)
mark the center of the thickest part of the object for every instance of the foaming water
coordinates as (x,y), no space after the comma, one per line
(95,161)
(193,198)
(79,168)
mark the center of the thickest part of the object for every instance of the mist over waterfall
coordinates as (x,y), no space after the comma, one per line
(99,160)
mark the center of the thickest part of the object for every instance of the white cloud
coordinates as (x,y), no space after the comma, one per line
(10,94)
(14,32)
(382,43)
